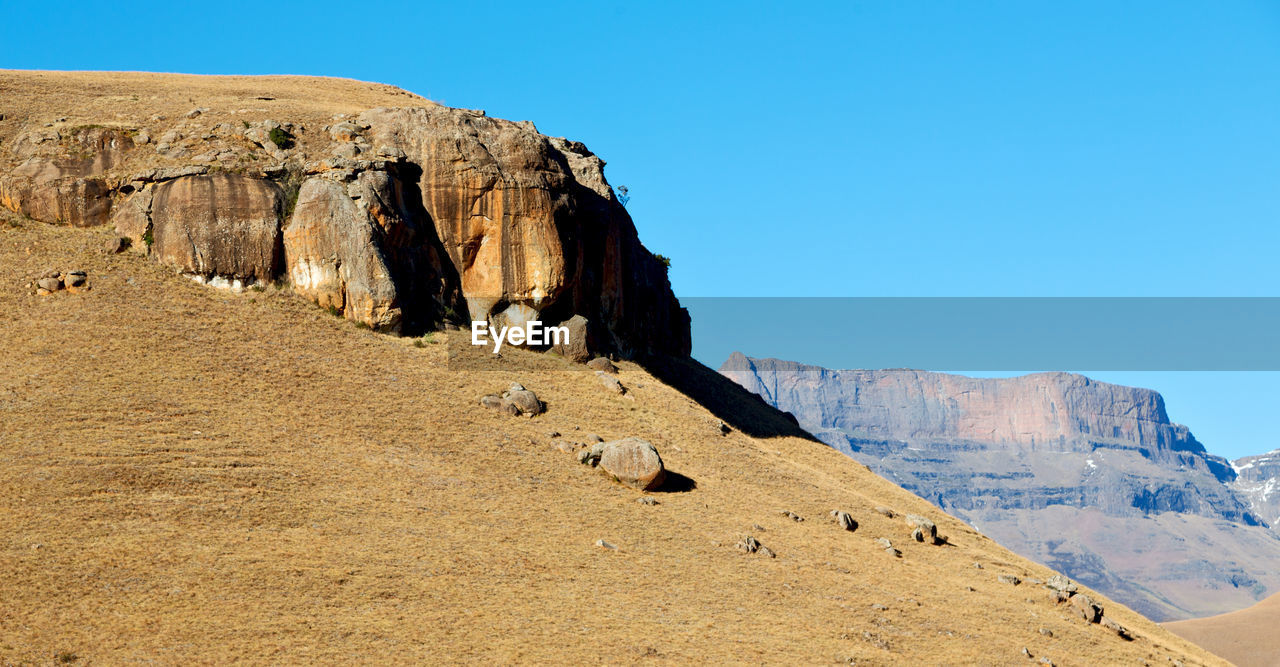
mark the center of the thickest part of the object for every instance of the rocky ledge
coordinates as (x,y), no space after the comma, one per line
(404,219)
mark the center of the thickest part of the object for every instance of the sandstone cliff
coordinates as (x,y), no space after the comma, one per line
(1089,477)
(385,207)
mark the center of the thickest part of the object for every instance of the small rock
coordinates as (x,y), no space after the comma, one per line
(1060,583)
(116,245)
(766,551)
(1086,609)
(346,150)
(633,462)
(886,511)
(1120,630)
(1008,579)
(602,364)
(977,564)
(647,500)
(593,438)
(516,386)
(879,607)
(1046,632)
(553,434)
(605,545)
(49,284)
(1046,661)
(885,542)
(525,400)
(584,457)
(893,552)
(792,515)
(1058,597)
(844,520)
(917,535)
(724,428)
(928,530)
(1025,652)
(196,112)
(611,383)
(575,346)
(757,527)
(76,279)
(566,447)
(749,544)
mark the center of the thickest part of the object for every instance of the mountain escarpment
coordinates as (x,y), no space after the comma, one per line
(1088,477)
(400,217)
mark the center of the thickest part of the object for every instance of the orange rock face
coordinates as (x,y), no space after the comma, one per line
(223,225)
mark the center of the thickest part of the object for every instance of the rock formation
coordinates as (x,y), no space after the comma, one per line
(1258,483)
(400,218)
(1090,478)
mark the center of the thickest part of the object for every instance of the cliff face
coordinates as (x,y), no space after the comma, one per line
(399,217)
(1258,483)
(1060,467)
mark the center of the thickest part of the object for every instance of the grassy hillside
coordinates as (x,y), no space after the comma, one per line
(194,475)
(1246,637)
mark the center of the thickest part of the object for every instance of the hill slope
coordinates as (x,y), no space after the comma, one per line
(1246,637)
(1087,477)
(200,475)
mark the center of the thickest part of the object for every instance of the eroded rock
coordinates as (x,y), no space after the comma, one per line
(222,224)
(634,462)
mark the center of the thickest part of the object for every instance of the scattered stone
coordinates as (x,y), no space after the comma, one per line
(553,434)
(792,515)
(886,511)
(885,542)
(749,544)
(879,607)
(574,347)
(1025,652)
(1060,583)
(344,131)
(1008,579)
(611,383)
(977,564)
(844,520)
(766,551)
(1059,596)
(584,457)
(1084,606)
(757,527)
(724,428)
(525,400)
(927,529)
(633,462)
(76,279)
(1046,632)
(196,112)
(49,285)
(593,438)
(1046,661)
(605,545)
(602,364)
(1120,630)
(893,552)
(495,402)
(647,500)
(116,245)
(566,447)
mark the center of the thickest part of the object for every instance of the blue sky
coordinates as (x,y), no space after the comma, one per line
(845,149)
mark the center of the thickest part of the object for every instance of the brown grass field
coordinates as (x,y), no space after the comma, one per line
(1247,637)
(195,476)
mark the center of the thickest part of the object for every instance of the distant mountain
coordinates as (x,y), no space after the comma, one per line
(1258,483)
(1087,477)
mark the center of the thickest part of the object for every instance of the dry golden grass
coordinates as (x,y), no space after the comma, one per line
(196,476)
(1246,637)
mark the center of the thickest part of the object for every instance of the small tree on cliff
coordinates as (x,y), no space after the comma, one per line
(623,197)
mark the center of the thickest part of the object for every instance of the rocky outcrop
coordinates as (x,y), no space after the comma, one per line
(399,218)
(1090,478)
(634,462)
(218,225)
(67,187)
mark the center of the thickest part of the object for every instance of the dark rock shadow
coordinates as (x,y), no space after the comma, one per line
(674,482)
(730,402)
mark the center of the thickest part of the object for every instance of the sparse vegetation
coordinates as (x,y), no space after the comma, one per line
(666,261)
(148,239)
(280,138)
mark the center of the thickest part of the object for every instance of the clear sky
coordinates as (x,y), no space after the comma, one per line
(846,149)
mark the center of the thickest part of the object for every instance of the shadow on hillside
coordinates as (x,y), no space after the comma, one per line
(676,483)
(740,409)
